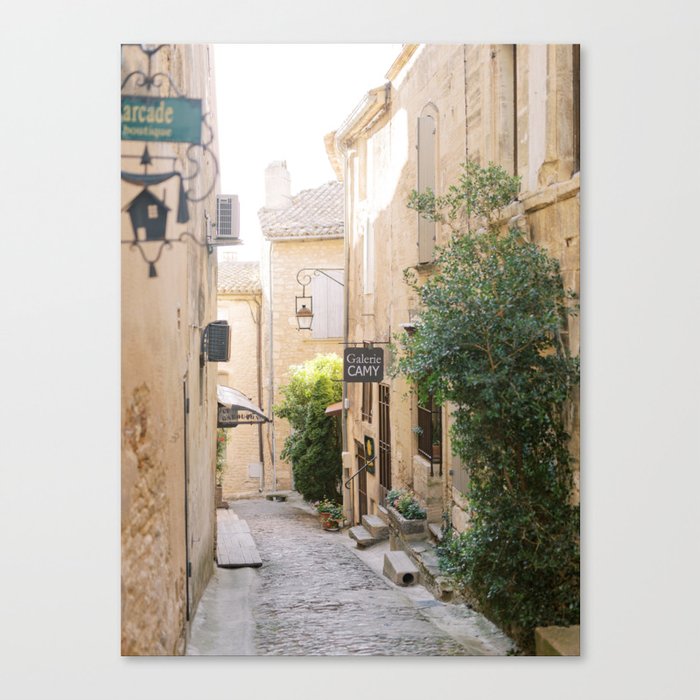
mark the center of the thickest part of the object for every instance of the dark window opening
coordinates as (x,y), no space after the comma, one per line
(361,480)
(366,402)
(384,438)
(430,432)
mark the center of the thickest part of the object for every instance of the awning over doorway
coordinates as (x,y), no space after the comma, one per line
(335,409)
(235,408)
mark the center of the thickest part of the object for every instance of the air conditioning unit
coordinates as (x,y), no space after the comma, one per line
(217,340)
(228,220)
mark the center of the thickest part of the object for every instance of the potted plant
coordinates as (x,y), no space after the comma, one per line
(330,514)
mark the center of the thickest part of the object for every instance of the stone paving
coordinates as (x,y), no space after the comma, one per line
(316,595)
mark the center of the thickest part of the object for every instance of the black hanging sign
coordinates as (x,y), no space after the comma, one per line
(363,365)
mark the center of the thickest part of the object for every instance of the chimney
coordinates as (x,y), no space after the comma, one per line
(278,193)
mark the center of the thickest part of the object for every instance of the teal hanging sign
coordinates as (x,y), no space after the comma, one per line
(177,119)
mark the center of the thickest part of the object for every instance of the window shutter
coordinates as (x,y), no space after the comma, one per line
(328,305)
(335,306)
(426,180)
(369,258)
(319,291)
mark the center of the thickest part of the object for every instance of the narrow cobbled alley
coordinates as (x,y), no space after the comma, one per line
(315,594)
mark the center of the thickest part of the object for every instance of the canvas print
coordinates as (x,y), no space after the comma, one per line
(350,349)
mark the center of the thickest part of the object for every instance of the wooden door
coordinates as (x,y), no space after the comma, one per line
(361,481)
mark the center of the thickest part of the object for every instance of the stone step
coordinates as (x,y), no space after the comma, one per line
(435,531)
(361,536)
(400,569)
(376,527)
(558,641)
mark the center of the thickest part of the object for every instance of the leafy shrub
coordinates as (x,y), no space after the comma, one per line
(489,341)
(406,503)
(314,446)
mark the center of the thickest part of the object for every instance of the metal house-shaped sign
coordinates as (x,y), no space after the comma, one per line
(150,213)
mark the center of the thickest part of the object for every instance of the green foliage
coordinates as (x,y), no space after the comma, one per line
(406,503)
(221,440)
(489,341)
(314,446)
(335,510)
(476,199)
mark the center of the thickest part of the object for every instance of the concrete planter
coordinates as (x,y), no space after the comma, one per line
(409,529)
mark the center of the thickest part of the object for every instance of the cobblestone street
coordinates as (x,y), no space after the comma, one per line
(317,595)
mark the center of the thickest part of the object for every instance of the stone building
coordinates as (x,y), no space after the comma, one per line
(168,388)
(303,235)
(516,106)
(240,304)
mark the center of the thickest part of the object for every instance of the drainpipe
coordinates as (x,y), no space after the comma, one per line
(272,376)
(373,105)
(257,320)
(343,150)
(346,295)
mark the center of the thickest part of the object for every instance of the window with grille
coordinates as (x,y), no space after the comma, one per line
(367,402)
(384,438)
(430,432)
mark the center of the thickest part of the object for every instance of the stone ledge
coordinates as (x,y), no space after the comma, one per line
(531,201)
(558,641)
(557,192)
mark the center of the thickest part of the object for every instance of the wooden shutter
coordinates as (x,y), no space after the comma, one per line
(328,305)
(426,180)
(335,306)
(368,251)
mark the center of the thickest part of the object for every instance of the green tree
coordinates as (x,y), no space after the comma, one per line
(489,341)
(314,446)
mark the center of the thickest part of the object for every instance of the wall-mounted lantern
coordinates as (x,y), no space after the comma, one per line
(304,309)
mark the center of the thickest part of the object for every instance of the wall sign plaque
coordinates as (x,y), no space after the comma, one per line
(363,364)
(171,119)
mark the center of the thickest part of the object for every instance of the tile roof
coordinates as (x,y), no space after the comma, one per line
(314,212)
(238,277)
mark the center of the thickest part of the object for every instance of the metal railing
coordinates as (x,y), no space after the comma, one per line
(360,470)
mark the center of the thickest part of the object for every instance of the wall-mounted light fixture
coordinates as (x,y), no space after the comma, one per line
(304,307)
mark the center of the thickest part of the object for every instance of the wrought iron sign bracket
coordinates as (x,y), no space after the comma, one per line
(164,119)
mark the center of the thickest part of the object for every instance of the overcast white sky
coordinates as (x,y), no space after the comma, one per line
(277,102)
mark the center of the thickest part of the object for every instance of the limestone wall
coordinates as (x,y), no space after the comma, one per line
(242,311)
(283,344)
(515,106)
(167,454)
